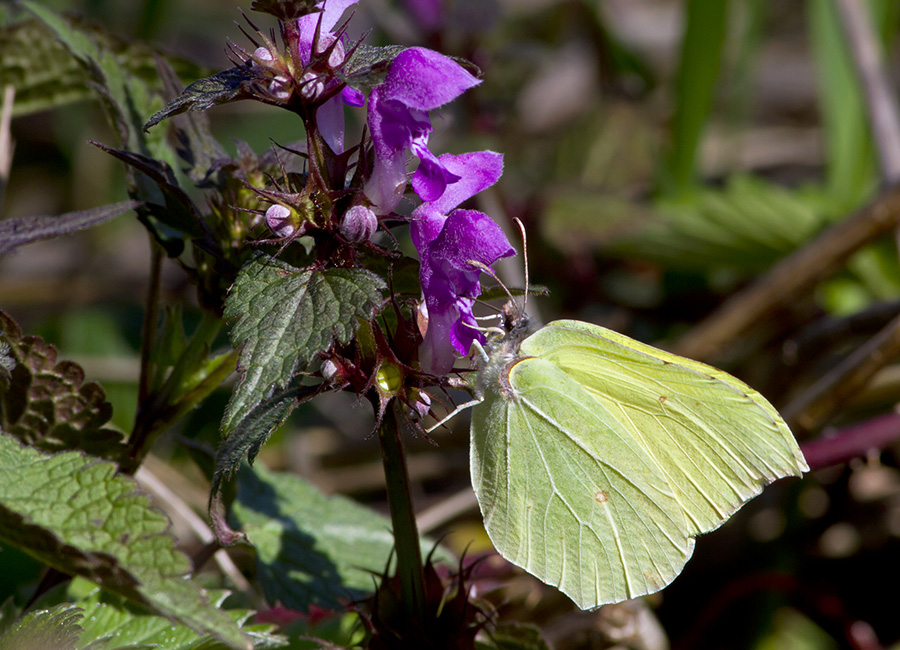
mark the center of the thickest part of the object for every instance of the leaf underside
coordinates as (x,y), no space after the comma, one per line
(610,456)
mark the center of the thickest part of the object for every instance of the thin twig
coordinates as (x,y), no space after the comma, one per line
(793,276)
(7,144)
(175,506)
(825,397)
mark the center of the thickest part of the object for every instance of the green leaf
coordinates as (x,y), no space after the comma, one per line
(46,629)
(25,230)
(851,169)
(172,207)
(226,86)
(701,55)
(112,623)
(367,65)
(513,636)
(744,227)
(103,71)
(45,75)
(284,316)
(74,513)
(253,428)
(7,362)
(311,548)
(47,404)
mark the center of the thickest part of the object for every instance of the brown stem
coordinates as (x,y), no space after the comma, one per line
(793,276)
(825,397)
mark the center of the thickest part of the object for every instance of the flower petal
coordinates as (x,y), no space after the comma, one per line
(470,235)
(424,79)
(476,171)
(431,177)
(330,120)
(331,13)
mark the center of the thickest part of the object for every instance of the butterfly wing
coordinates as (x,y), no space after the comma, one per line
(716,440)
(569,493)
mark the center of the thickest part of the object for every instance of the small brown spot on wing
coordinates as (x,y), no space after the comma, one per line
(662,399)
(600,496)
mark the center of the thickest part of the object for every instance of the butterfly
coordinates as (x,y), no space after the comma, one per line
(596,459)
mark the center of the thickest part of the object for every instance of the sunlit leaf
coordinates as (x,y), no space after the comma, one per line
(226,86)
(283,316)
(77,515)
(58,628)
(45,75)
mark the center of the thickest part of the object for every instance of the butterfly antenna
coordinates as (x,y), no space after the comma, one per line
(524,260)
(491,272)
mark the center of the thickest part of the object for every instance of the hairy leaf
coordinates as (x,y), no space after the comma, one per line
(226,86)
(40,67)
(368,65)
(105,75)
(253,429)
(76,514)
(7,362)
(24,230)
(311,548)
(174,207)
(47,404)
(112,623)
(51,629)
(284,316)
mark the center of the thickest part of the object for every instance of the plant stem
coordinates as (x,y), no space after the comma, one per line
(403,519)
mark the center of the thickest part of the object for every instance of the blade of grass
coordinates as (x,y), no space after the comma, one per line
(701,57)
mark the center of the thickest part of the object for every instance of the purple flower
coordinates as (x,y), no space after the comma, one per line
(417,81)
(330,115)
(448,240)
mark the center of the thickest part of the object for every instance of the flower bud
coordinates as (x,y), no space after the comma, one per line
(263,54)
(282,221)
(359,224)
(311,85)
(421,405)
(334,372)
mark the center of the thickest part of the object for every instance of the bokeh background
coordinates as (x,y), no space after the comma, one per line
(662,155)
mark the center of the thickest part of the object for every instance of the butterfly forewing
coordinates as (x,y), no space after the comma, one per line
(569,493)
(716,440)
